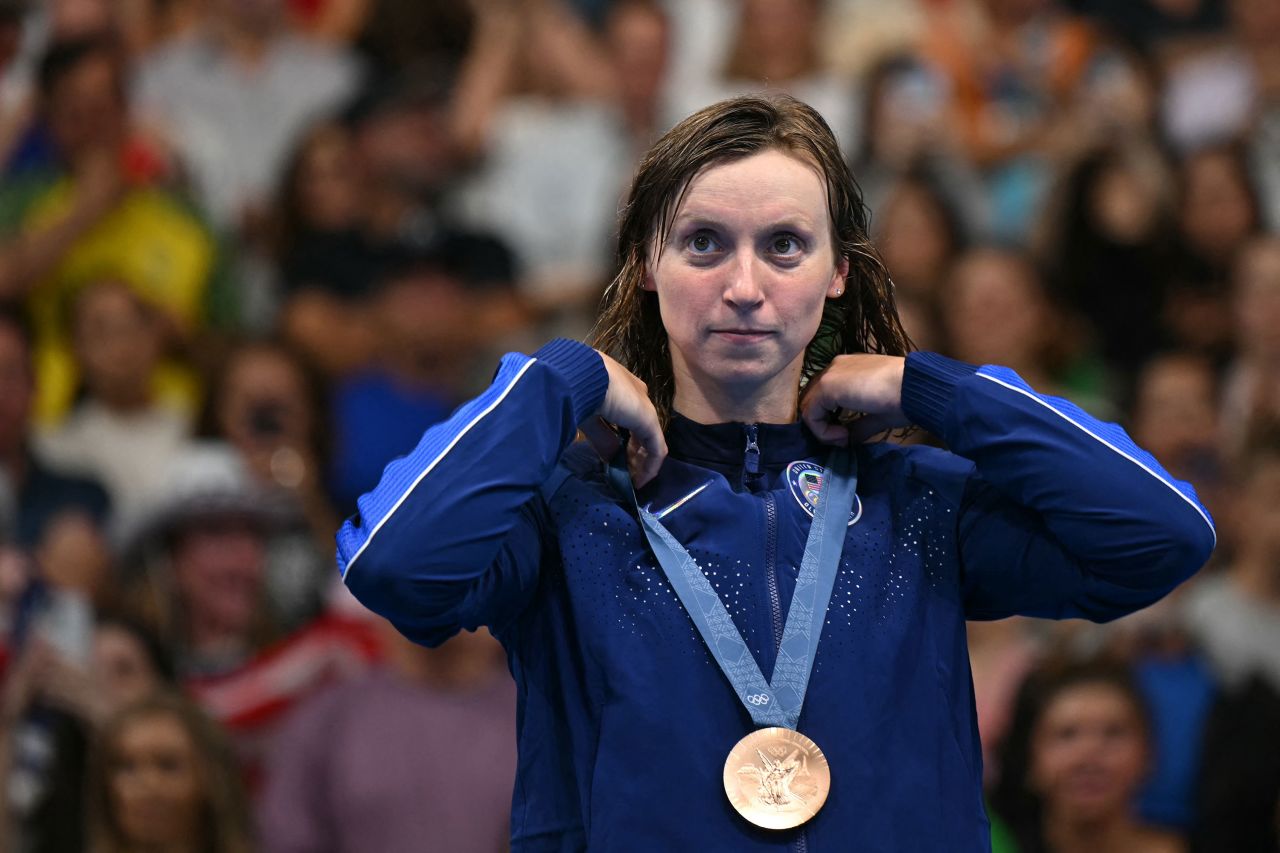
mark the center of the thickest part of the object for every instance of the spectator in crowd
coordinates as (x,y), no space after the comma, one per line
(1076,754)
(904,139)
(1222,90)
(1012,68)
(162,778)
(1239,786)
(996,311)
(102,212)
(1235,615)
(431,316)
(41,495)
(777,45)
(1217,215)
(920,236)
(120,432)
(1175,416)
(269,408)
(52,706)
(400,35)
(233,96)
(534,107)
(329,253)
(1112,252)
(202,580)
(1252,392)
(339,780)
(637,37)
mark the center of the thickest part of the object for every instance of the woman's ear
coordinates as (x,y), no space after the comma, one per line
(647,282)
(838,278)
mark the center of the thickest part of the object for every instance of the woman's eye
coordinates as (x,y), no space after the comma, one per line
(702,243)
(785,245)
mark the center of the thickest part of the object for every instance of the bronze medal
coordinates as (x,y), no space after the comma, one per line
(776,778)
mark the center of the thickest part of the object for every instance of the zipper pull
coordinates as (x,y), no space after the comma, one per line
(751,461)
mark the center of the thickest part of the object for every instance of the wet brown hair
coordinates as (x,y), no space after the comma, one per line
(864,318)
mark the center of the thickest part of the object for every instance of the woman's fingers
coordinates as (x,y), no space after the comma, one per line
(627,406)
(866,384)
(602,437)
(646,450)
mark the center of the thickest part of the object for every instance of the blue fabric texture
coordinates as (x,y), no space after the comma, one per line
(498,518)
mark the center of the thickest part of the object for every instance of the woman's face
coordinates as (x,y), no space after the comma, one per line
(743,275)
(156,792)
(994,313)
(123,671)
(1089,752)
(914,240)
(329,182)
(1216,211)
(264,401)
(118,342)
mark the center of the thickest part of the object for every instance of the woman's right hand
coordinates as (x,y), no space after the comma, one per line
(627,406)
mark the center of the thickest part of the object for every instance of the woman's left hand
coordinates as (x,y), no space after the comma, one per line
(870,385)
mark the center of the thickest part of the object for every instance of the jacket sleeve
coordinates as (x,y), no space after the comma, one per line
(1064,516)
(453,535)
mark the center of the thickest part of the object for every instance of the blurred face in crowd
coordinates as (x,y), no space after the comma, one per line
(1217,213)
(426,315)
(1089,752)
(1256,299)
(780,35)
(16,388)
(1175,413)
(118,343)
(1124,202)
(1258,512)
(219,565)
(743,276)
(155,782)
(995,311)
(1118,92)
(638,40)
(914,239)
(121,666)
(264,400)
(86,107)
(407,148)
(329,189)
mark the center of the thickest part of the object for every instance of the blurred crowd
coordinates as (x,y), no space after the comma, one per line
(251,249)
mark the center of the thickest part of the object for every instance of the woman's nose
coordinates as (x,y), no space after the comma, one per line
(743,288)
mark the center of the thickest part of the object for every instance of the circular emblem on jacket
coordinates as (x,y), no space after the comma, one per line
(805,482)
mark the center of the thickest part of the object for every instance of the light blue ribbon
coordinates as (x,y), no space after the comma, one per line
(775,703)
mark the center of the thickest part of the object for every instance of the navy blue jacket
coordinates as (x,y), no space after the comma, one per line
(498,519)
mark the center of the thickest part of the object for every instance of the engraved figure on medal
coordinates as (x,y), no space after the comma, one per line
(777,778)
(773,783)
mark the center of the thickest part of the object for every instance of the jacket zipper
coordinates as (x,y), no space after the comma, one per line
(751,471)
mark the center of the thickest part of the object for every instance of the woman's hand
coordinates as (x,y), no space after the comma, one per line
(627,406)
(869,385)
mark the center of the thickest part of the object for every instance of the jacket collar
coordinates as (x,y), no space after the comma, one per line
(726,443)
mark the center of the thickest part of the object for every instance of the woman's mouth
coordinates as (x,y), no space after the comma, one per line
(742,336)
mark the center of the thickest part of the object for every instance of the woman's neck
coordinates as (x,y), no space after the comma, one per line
(706,401)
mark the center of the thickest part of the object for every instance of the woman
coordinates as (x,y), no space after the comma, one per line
(1079,751)
(162,779)
(746,271)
